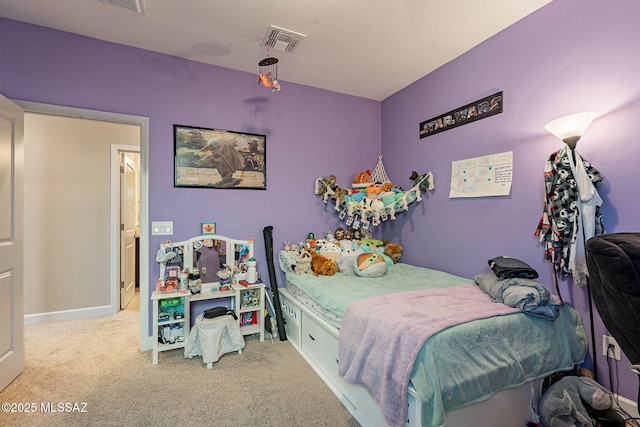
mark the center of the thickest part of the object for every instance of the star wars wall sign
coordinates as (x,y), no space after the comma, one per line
(482,108)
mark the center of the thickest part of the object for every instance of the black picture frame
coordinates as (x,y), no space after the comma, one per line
(218,158)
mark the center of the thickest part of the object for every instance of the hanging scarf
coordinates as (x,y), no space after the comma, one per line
(564,213)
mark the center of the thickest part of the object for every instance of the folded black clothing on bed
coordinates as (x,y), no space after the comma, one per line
(506,267)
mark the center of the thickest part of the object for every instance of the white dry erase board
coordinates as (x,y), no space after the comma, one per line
(482,176)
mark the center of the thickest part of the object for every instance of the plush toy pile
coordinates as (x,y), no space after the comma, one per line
(345,251)
(372,198)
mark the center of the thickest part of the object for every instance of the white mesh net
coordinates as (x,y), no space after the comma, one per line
(379,174)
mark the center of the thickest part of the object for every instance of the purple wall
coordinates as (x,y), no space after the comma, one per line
(570,56)
(310,132)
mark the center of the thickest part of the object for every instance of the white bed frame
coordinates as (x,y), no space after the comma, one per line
(317,342)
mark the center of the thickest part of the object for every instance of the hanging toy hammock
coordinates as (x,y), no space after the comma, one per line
(372,199)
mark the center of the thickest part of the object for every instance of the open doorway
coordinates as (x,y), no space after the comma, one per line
(66,284)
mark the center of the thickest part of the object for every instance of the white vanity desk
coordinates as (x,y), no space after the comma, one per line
(247,302)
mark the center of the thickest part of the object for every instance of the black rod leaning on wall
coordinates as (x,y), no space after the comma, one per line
(273,284)
(594,356)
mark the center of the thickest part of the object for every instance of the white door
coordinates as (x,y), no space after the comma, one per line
(128,210)
(11,242)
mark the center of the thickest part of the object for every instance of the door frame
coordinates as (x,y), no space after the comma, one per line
(116,202)
(143,123)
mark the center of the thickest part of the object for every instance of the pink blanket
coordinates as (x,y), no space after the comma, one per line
(381,337)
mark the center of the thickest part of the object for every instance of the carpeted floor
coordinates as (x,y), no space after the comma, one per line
(94,368)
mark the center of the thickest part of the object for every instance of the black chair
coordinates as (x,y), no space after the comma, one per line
(614,281)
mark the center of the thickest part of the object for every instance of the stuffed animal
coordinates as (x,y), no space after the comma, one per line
(562,404)
(372,243)
(327,184)
(304,263)
(246,319)
(339,196)
(602,417)
(362,178)
(350,249)
(370,264)
(393,251)
(377,208)
(319,243)
(386,186)
(348,234)
(373,191)
(311,240)
(366,233)
(322,265)
(329,236)
(355,233)
(330,250)
(365,247)
(421,180)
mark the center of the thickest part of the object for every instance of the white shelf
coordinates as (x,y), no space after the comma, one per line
(235,295)
(251,329)
(165,347)
(212,295)
(258,309)
(156,297)
(169,322)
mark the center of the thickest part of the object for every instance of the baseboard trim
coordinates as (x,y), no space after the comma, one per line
(56,316)
(628,405)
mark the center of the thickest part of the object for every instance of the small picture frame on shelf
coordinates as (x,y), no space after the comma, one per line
(208,228)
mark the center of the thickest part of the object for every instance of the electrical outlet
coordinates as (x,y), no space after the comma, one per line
(610,341)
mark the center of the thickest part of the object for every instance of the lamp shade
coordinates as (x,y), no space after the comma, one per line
(570,128)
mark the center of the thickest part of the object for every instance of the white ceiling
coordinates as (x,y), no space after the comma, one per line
(366,48)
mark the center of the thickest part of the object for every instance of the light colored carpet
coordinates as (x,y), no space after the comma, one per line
(97,362)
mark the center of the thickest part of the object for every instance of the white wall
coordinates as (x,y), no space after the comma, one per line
(67,214)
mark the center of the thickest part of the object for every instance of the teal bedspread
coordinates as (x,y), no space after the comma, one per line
(335,292)
(469,362)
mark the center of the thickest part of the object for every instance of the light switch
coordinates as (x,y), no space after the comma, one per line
(161,228)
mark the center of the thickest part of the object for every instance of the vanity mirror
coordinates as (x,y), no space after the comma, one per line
(209,255)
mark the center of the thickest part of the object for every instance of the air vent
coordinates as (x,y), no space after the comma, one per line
(134,5)
(280,39)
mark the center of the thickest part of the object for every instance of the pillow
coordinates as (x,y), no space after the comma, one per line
(349,250)
(330,250)
(370,264)
(288,260)
(345,264)
(506,267)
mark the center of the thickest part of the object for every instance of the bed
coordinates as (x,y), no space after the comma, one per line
(484,372)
